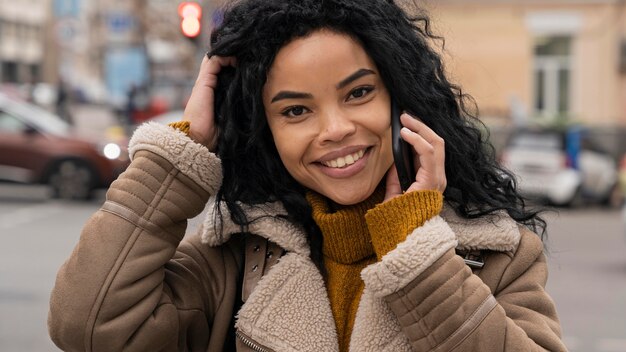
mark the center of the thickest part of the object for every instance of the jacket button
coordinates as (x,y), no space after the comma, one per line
(269,255)
(255,267)
(256,248)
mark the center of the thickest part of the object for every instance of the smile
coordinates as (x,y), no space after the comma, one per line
(344,161)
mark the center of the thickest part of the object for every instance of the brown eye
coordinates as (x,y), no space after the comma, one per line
(360,92)
(294,111)
(297,111)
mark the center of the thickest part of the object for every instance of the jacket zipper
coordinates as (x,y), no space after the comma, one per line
(251,343)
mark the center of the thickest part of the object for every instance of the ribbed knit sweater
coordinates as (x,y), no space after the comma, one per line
(358,235)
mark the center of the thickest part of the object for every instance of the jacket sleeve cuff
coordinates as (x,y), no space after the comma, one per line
(391,222)
(192,159)
(410,258)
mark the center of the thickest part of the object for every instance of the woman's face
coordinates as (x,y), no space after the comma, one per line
(329,113)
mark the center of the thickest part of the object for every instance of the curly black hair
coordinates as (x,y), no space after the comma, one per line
(399,42)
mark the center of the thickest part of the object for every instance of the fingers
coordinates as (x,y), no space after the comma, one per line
(214,64)
(211,67)
(200,108)
(430,154)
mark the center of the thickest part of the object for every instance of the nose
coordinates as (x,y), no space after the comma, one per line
(335,125)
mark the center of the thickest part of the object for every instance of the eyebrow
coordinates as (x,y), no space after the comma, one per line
(353,77)
(285,94)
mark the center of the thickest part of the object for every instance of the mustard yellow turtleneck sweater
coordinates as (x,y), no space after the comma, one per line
(358,235)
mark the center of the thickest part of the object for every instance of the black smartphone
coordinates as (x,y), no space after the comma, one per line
(402,154)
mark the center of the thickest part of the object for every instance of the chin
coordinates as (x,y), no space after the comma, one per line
(349,197)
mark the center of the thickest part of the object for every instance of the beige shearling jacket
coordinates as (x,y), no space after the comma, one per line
(134,282)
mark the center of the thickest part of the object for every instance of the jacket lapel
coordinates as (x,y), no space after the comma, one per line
(266,220)
(289,309)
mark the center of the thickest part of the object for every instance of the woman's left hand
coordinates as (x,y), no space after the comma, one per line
(429,159)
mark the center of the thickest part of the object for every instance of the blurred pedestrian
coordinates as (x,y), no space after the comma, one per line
(63,102)
(130,103)
(310,244)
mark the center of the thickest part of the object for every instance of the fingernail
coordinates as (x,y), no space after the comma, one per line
(410,116)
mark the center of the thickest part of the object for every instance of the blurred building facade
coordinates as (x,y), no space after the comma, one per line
(527,60)
(140,44)
(99,49)
(23,28)
(519,59)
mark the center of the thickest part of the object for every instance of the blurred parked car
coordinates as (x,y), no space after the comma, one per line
(563,168)
(38,147)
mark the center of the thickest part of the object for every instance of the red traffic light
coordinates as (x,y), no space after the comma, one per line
(191,14)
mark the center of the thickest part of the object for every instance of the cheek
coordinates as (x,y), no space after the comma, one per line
(289,150)
(386,149)
(381,127)
(284,151)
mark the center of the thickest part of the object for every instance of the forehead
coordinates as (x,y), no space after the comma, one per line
(323,50)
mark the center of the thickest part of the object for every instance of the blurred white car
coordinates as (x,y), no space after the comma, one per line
(562,168)
(168,117)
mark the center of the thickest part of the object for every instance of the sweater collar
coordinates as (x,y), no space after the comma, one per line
(496,232)
(346,236)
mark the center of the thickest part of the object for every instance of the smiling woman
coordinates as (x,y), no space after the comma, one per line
(309,243)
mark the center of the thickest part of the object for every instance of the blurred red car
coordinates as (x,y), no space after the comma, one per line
(38,147)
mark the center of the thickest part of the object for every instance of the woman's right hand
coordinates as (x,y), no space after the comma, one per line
(429,158)
(200,109)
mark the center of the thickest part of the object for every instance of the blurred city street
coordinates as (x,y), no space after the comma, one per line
(38,234)
(587,260)
(548,79)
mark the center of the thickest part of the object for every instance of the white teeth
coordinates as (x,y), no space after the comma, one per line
(346,160)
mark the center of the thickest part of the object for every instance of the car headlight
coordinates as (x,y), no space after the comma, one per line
(111,151)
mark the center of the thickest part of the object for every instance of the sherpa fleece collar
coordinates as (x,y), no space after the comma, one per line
(289,309)
(495,232)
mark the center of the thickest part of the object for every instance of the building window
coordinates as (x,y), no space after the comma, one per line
(35,73)
(9,72)
(552,75)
